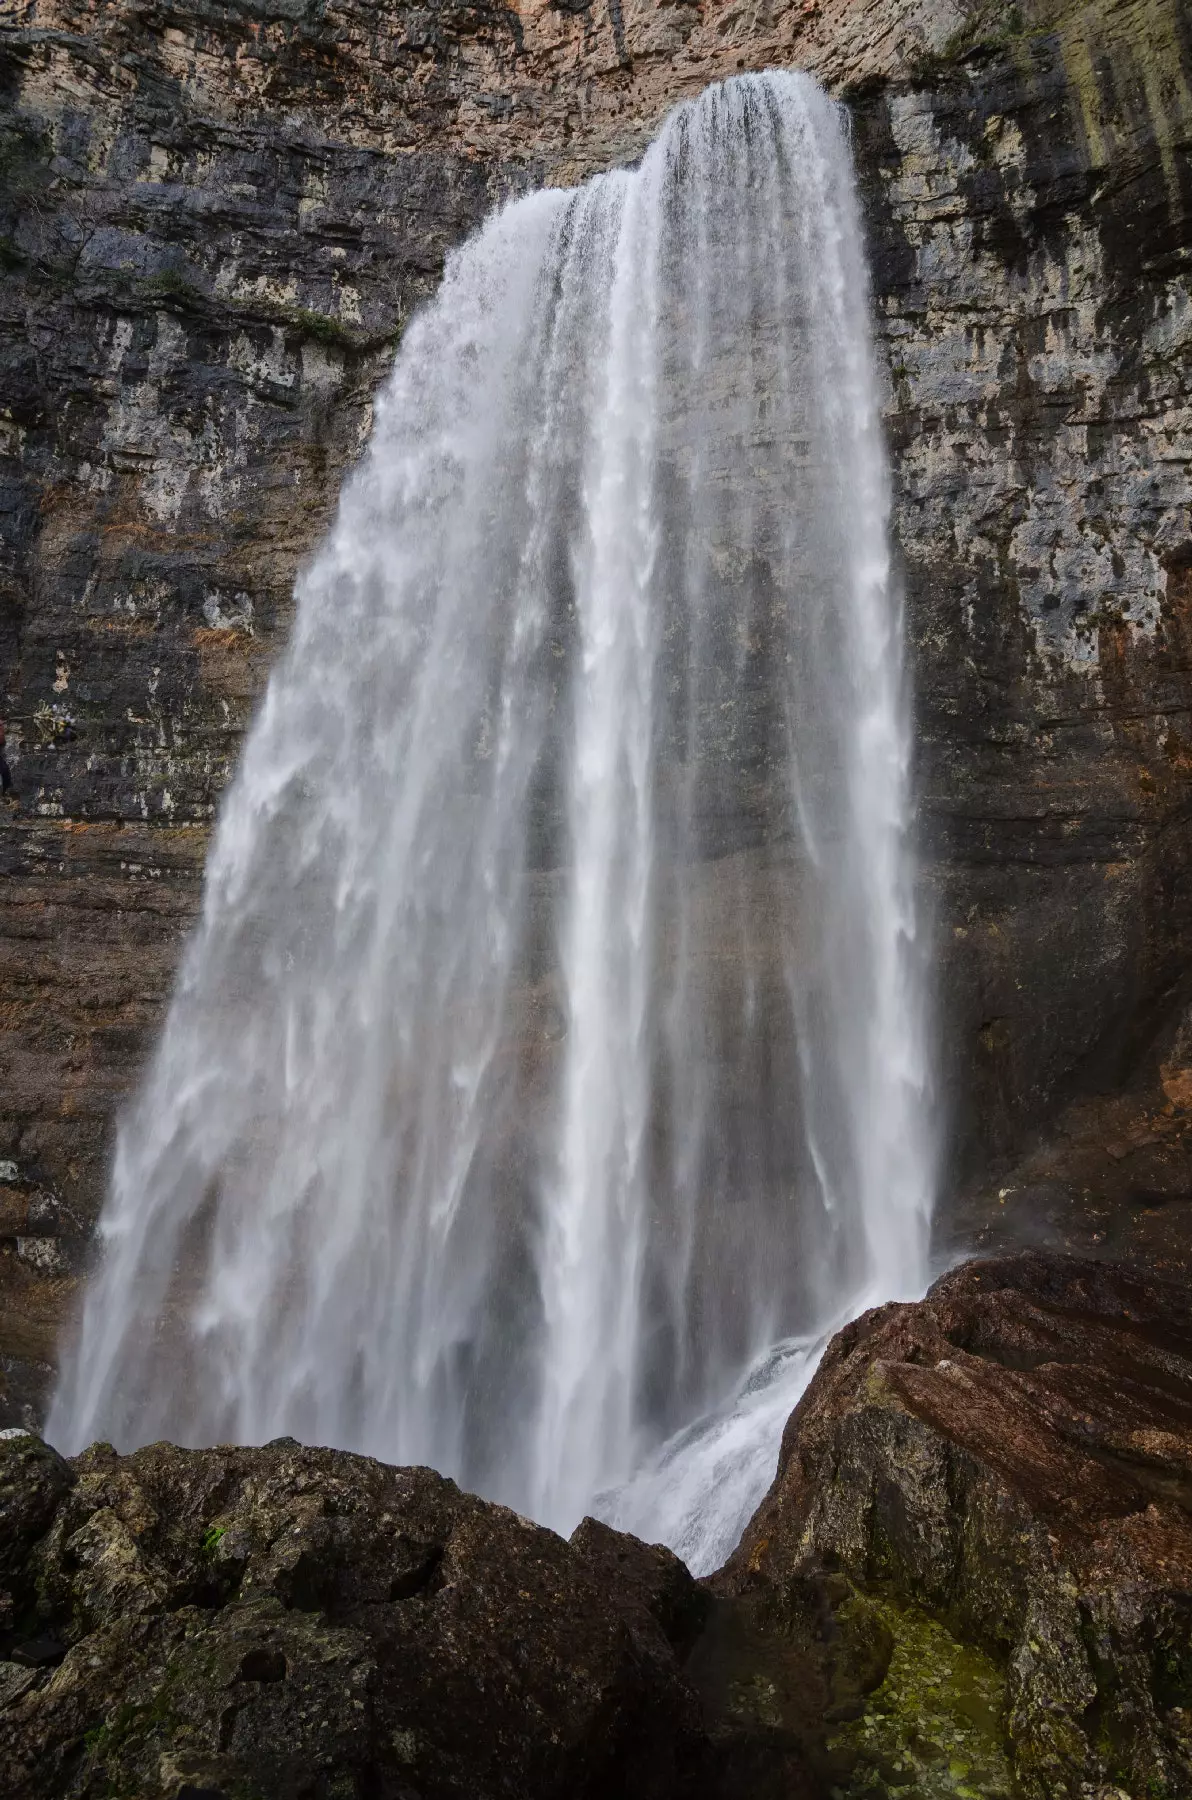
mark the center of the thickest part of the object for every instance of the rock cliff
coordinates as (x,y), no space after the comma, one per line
(214,220)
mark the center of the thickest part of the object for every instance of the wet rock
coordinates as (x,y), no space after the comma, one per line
(643,1578)
(972,1577)
(1005,1471)
(811,1684)
(289,1621)
(33,1479)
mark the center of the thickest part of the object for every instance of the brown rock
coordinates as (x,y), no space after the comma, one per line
(1177,1085)
(1014,1454)
(290,1621)
(643,1578)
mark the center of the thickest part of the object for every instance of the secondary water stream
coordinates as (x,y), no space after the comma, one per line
(549,1070)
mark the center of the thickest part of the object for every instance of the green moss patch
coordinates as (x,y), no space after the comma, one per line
(935,1727)
(213,1538)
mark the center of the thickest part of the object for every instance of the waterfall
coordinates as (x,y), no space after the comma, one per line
(550,1069)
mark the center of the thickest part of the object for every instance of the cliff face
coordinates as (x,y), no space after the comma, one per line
(1032,237)
(215,221)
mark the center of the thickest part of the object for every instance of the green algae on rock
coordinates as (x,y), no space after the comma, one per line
(935,1728)
(875,1695)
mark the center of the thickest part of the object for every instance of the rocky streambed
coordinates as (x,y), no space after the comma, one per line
(972,1576)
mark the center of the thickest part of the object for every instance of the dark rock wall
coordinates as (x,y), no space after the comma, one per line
(213,223)
(205,281)
(1032,220)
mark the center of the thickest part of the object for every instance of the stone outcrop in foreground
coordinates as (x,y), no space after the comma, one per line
(972,1576)
(301,1622)
(1014,1456)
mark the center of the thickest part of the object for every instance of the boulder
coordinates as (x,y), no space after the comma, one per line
(290,1622)
(1002,1474)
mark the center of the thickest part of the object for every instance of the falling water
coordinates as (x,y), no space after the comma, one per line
(549,1069)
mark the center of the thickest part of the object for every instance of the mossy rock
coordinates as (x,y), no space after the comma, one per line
(1008,1458)
(935,1728)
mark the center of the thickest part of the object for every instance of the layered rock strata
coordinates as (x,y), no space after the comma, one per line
(1014,1456)
(216,220)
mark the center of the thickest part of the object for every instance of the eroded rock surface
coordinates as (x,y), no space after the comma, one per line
(294,1622)
(972,1577)
(1004,1472)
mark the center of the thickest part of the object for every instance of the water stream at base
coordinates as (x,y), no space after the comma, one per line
(554,1042)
